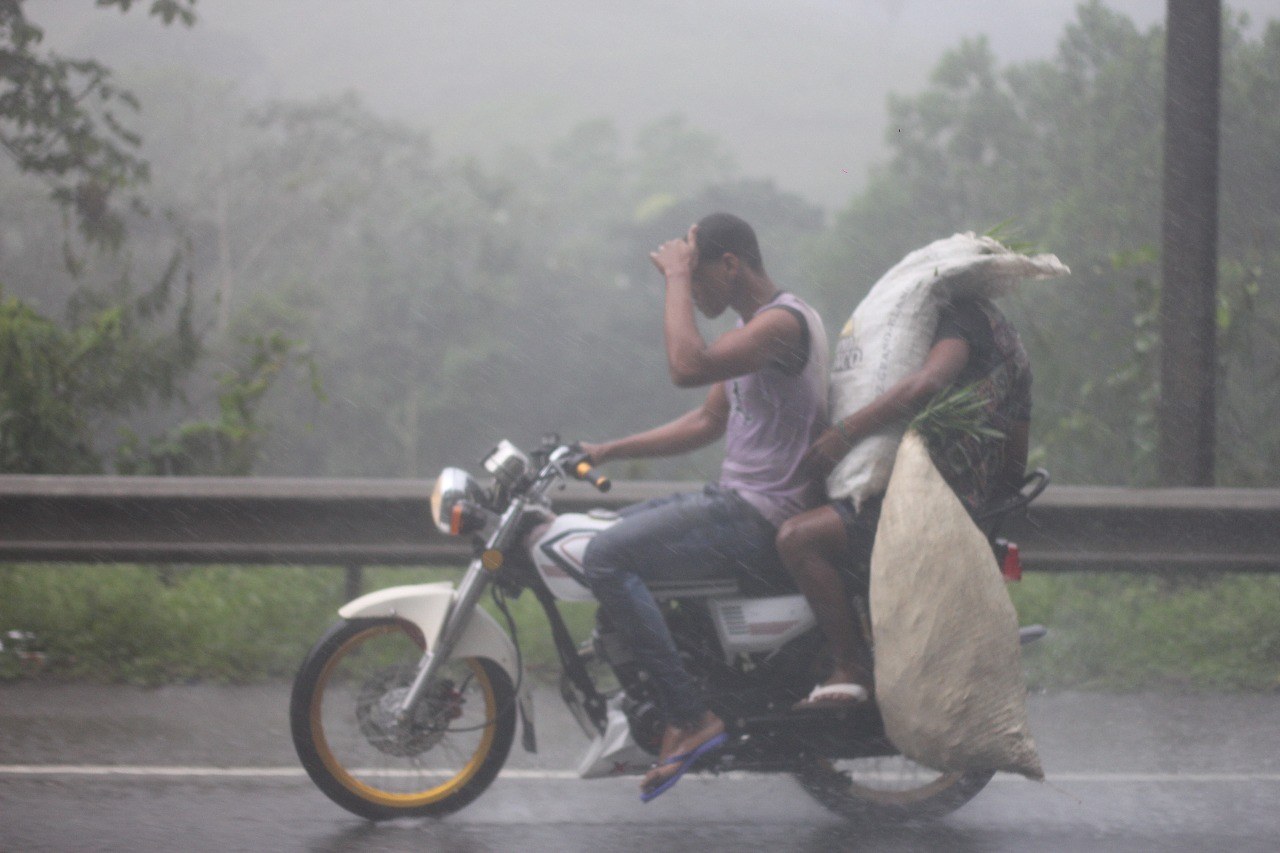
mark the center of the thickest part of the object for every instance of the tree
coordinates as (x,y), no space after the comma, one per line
(59,382)
(1068,152)
(117,352)
(59,119)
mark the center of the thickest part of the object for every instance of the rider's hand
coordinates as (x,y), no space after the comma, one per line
(595,452)
(821,458)
(678,255)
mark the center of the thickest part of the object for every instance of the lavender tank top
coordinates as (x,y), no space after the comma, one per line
(775,414)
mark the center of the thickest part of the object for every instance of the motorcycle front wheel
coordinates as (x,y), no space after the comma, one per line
(343,717)
(887,789)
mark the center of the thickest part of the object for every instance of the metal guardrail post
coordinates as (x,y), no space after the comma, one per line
(354,583)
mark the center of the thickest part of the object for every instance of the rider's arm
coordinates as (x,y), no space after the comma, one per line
(693,429)
(768,337)
(902,401)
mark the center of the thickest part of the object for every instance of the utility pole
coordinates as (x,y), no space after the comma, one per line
(1189,237)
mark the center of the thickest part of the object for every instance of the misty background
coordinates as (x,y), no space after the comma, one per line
(796,90)
(404,230)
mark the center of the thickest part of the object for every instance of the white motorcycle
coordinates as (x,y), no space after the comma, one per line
(408,705)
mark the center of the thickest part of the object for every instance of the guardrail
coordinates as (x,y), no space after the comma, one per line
(386,522)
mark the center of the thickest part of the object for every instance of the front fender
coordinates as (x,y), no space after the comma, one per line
(426,606)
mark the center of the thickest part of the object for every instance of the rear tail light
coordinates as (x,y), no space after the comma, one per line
(1011,564)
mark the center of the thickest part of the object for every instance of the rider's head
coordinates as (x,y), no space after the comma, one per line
(728,251)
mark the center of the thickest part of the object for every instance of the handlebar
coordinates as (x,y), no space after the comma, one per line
(583,470)
(571,461)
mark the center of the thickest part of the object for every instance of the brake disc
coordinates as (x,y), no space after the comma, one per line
(378,704)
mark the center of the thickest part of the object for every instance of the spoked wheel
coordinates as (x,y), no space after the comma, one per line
(889,788)
(346,731)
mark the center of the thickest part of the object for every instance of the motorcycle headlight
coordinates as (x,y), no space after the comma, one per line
(453,487)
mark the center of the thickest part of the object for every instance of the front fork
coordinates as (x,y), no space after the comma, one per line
(467,598)
(465,601)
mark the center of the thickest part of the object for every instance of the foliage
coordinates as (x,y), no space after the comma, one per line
(448,303)
(59,118)
(954,414)
(229,445)
(57,382)
(1132,632)
(131,624)
(1069,150)
(117,354)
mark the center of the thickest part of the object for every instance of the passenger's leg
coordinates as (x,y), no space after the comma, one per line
(811,545)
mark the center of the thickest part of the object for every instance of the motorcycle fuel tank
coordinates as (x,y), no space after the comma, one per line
(558,550)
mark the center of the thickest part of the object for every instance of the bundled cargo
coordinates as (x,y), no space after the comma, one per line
(948,668)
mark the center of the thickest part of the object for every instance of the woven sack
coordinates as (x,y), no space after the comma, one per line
(948,669)
(889,335)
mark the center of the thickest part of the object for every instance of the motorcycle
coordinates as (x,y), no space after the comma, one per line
(408,706)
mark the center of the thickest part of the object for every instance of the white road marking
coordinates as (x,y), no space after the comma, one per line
(234,772)
(544,775)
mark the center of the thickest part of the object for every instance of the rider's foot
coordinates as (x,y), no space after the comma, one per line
(680,741)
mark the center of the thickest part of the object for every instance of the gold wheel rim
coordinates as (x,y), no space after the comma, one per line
(386,798)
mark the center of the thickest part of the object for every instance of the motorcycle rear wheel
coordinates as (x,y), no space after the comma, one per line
(342,717)
(888,789)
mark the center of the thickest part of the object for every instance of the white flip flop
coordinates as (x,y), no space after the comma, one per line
(834,695)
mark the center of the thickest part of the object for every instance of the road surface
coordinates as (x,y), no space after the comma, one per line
(212,768)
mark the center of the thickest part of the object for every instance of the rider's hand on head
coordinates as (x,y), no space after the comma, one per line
(821,458)
(678,255)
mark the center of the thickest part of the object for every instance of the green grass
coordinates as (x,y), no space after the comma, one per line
(150,625)
(1127,632)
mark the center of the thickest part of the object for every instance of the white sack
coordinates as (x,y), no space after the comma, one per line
(948,668)
(892,329)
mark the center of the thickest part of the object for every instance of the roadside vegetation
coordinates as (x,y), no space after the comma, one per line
(210,286)
(143,625)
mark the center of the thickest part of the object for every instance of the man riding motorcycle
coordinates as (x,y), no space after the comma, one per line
(768,397)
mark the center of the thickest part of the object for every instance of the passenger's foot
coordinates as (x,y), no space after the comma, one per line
(841,694)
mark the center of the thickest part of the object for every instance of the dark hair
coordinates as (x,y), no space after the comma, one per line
(723,232)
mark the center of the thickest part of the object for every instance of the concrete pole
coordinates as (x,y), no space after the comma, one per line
(1189,268)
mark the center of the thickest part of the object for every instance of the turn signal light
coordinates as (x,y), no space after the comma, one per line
(464,518)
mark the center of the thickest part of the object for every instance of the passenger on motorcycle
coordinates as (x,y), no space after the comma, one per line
(975,347)
(768,398)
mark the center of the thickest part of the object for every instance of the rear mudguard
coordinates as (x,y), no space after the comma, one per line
(425,606)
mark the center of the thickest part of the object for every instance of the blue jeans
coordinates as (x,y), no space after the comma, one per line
(710,534)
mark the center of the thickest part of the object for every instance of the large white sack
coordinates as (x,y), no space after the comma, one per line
(948,668)
(890,333)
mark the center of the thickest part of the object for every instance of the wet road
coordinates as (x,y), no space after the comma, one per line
(204,768)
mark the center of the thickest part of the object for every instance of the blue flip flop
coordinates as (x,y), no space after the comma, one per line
(686,760)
